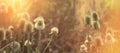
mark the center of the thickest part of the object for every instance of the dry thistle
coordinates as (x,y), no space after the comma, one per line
(39,23)
(95,16)
(54,31)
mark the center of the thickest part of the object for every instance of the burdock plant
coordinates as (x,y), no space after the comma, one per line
(39,25)
(54,32)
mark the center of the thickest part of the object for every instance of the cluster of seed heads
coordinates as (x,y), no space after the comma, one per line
(26,26)
(93,20)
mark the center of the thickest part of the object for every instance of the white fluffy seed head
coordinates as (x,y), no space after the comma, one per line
(39,23)
(28,27)
(54,31)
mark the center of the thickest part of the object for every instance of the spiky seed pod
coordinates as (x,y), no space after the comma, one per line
(95,16)
(2,34)
(39,23)
(83,48)
(54,31)
(96,25)
(28,28)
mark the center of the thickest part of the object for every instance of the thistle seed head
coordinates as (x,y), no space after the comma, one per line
(54,31)
(95,16)
(39,23)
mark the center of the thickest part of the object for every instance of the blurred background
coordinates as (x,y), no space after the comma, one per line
(68,16)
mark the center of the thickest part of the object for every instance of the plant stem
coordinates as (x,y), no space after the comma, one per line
(48,44)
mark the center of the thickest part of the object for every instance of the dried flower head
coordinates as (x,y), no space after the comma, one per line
(28,27)
(83,48)
(39,23)
(54,31)
(96,25)
(95,16)
(88,20)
